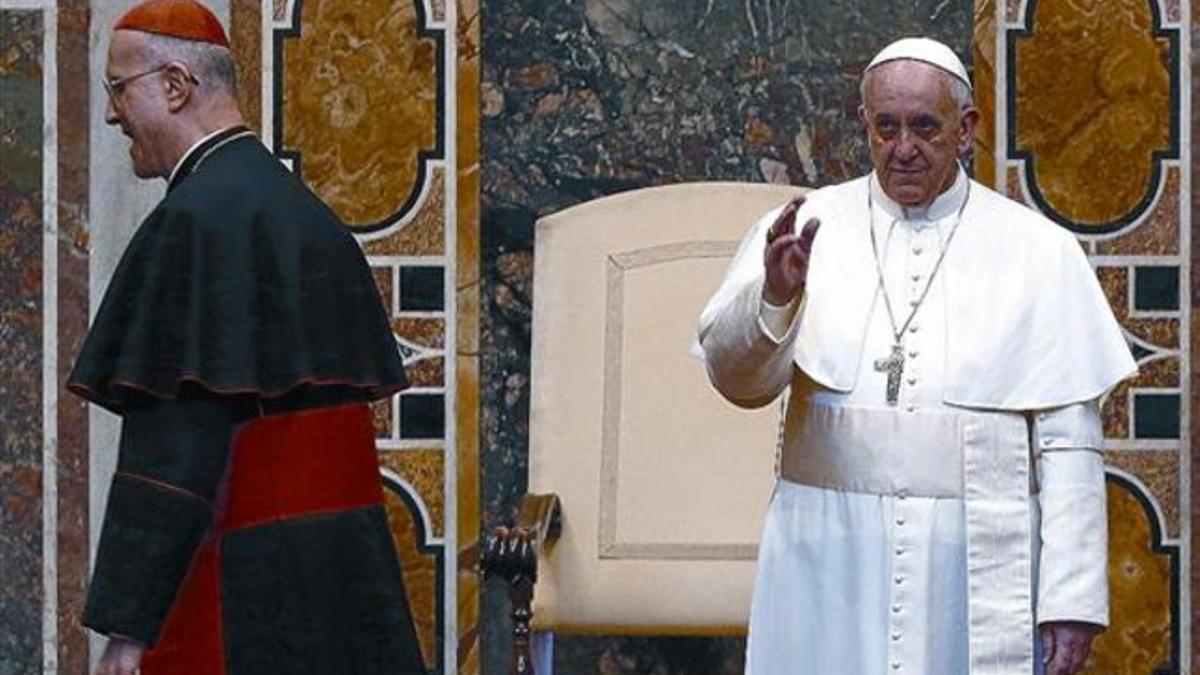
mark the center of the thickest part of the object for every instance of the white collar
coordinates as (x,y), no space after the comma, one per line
(197,144)
(943,205)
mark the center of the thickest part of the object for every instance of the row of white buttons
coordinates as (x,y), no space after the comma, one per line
(898,578)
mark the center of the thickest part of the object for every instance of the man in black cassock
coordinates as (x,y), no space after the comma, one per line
(240,339)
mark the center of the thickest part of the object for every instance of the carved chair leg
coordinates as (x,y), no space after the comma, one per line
(512,555)
(521,594)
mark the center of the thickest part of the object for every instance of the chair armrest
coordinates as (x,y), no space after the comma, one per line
(512,555)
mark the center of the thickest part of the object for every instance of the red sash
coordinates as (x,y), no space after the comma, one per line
(282,466)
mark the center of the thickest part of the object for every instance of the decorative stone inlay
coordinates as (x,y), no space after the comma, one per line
(1090,103)
(361,105)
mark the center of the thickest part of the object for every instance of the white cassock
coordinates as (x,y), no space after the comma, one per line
(924,537)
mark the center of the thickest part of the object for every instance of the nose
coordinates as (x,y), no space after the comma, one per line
(110,112)
(906,146)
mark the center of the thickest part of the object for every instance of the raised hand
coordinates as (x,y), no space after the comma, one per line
(786,255)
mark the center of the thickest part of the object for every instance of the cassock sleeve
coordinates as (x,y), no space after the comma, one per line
(1072,578)
(160,506)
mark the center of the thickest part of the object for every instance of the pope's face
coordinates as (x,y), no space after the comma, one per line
(916,130)
(136,101)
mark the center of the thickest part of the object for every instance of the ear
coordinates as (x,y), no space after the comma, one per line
(862,116)
(180,85)
(966,128)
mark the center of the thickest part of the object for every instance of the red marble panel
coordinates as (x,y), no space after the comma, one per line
(1159,471)
(427,372)
(381,415)
(385,281)
(1156,373)
(1162,332)
(429,333)
(425,234)
(74,111)
(1159,233)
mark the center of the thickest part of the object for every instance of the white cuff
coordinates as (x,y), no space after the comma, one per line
(775,321)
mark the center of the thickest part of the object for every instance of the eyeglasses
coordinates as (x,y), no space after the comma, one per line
(116,85)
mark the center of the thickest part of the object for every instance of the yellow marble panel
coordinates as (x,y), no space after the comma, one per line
(1138,640)
(359,103)
(1092,104)
(420,574)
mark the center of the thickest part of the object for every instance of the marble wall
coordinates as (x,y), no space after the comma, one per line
(329,102)
(21,326)
(489,115)
(44,478)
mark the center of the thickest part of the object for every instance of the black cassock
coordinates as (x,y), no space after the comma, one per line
(240,339)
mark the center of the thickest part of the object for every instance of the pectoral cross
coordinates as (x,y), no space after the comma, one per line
(894,367)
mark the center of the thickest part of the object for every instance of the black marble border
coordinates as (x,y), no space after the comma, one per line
(424,157)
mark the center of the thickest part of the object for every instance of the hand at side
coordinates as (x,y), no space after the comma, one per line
(121,657)
(1066,645)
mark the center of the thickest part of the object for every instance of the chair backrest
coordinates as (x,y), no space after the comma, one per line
(663,484)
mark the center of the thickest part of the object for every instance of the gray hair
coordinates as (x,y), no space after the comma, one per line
(959,91)
(212,64)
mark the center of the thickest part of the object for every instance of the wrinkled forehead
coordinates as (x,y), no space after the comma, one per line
(908,81)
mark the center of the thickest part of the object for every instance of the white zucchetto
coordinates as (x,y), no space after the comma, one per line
(926,50)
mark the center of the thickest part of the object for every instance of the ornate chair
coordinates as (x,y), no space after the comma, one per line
(647,490)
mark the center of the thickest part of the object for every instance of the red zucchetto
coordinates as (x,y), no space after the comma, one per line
(183,19)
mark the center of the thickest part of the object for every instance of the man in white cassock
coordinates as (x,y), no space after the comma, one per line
(940,507)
